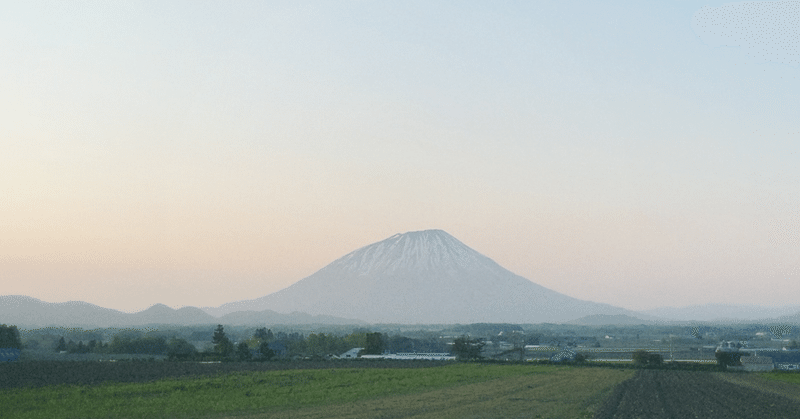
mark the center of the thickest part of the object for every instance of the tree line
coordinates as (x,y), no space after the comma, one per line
(263,344)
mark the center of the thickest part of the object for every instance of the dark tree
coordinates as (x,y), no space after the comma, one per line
(266,352)
(643,358)
(640,357)
(180,349)
(62,345)
(374,344)
(143,345)
(9,337)
(728,359)
(263,334)
(465,348)
(401,344)
(243,352)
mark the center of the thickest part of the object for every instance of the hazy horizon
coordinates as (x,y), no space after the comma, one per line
(638,154)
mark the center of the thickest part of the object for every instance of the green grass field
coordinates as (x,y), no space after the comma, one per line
(458,390)
(789,377)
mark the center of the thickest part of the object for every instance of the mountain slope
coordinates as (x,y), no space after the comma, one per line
(423,277)
(270,317)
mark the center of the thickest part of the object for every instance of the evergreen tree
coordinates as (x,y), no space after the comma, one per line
(222,345)
(219,335)
(62,345)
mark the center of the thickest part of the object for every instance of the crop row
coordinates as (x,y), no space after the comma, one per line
(691,394)
(51,373)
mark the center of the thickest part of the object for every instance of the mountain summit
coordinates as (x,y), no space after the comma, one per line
(429,251)
(422,277)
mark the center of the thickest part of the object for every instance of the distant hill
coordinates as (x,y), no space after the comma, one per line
(422,277)
(606,319)
(793,319)
(724,313)
(161,314)
(28,312)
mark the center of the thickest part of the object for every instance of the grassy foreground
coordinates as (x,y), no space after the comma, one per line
(458,390)
(789,377)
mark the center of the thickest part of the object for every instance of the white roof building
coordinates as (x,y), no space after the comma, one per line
(353,353)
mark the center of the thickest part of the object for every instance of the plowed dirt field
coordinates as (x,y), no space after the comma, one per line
(690,394)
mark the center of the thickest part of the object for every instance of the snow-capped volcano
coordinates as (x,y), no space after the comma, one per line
(422,277)
(423,251)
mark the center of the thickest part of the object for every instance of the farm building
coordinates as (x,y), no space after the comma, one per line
(431,356)
(729,346)
(564,355)
(353,353)
(757,363)
(786,360)
(9,354)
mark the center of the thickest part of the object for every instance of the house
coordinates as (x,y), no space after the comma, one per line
(757,363)
(9,354)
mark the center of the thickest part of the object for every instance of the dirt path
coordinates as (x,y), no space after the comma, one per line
(689,394)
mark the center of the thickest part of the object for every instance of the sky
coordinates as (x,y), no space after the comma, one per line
(641,154)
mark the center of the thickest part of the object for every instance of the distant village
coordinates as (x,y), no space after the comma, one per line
(742,347)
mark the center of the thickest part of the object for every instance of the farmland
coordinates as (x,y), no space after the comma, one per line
(455,390)
(52,373)
(692,394)
(380,388)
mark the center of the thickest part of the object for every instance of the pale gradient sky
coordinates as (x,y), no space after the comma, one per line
(197,153)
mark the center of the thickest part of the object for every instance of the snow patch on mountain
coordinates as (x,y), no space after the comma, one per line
(430,250)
